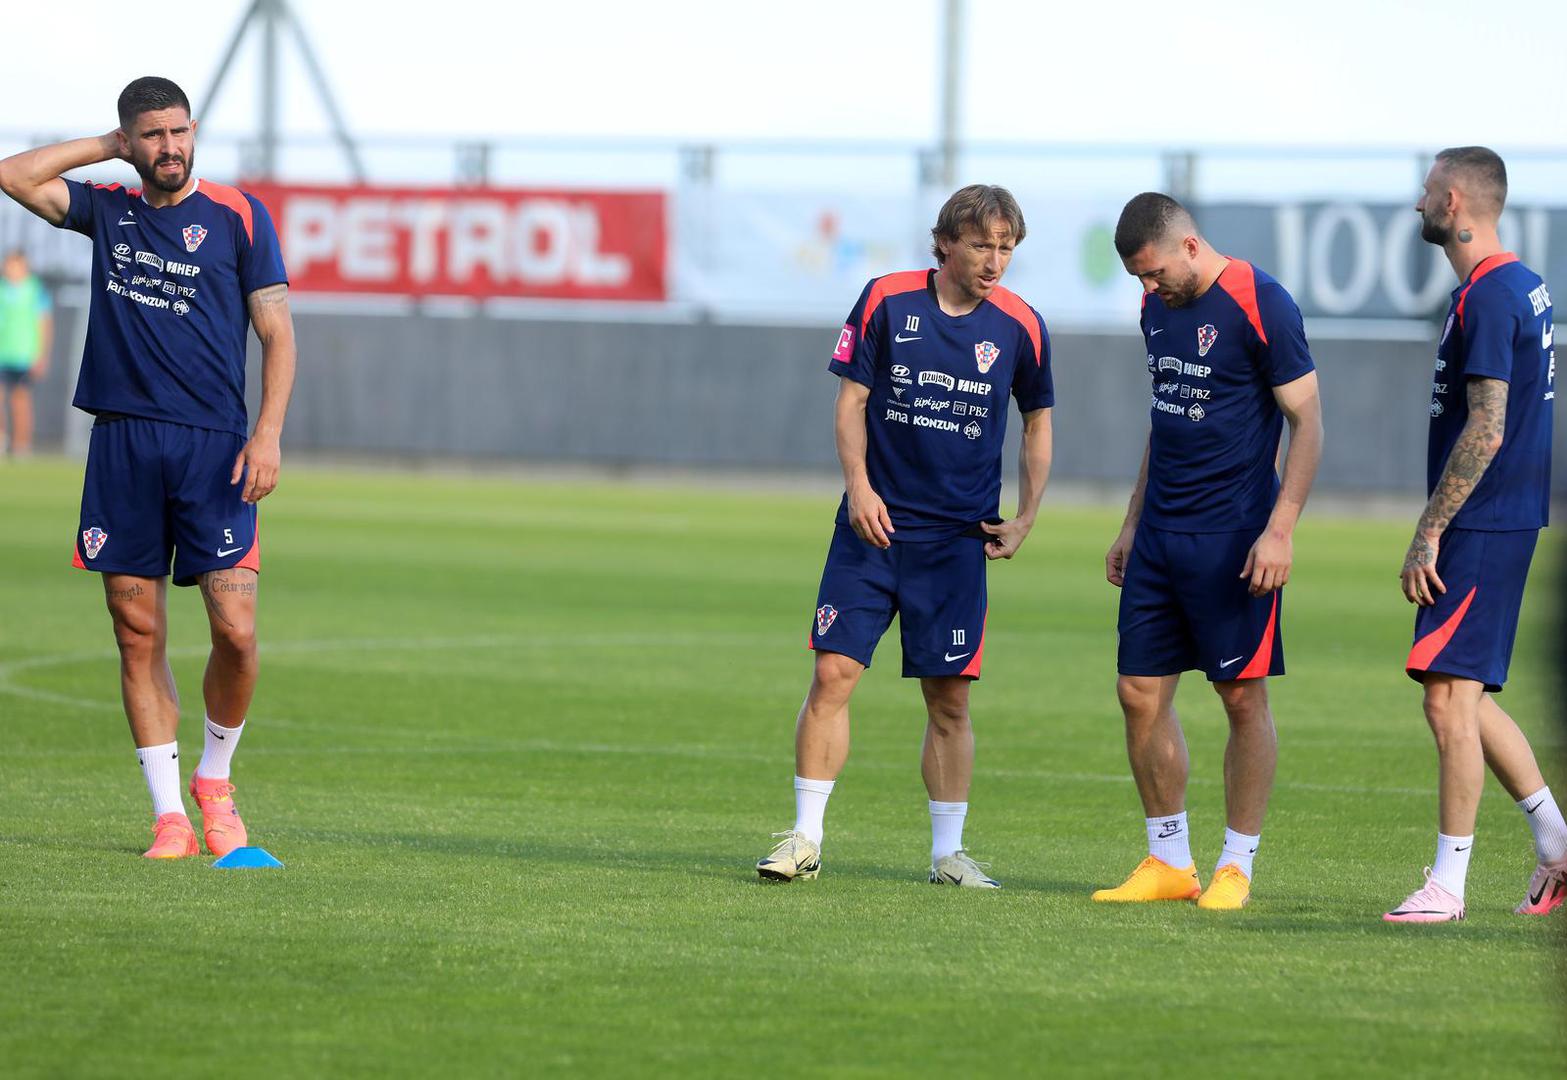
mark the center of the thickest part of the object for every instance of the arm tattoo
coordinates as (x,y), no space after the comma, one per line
(1477,444)
(265,298)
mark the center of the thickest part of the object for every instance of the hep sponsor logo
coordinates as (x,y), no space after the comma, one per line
(845,347)
(937,378)
(826,615)
(985,354)
(93,540)
(1207,334)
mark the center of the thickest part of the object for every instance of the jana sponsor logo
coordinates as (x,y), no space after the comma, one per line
(826,615)
(985,354)
(937,378)
(194,235)
(1207,334)
(93,540)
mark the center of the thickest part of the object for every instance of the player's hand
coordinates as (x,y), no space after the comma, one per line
(1422,584)
(1268,562)
(111,146)
(1117,556)
(868,517)
(258,463)
(1005,538)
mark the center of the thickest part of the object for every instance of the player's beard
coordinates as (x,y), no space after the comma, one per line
(1434,233)
(152,178)
(1181,294)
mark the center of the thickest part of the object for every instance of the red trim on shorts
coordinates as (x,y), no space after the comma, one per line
(252,559)
(76,557)
(1262,659)
(1427,648)
(979,654)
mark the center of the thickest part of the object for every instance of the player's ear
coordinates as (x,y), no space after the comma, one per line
(194,124)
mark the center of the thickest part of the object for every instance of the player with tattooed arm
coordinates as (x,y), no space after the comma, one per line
(1488,474)
(179,268)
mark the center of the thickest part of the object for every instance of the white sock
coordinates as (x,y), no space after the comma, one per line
(161,766)
(1452,862)
(1239,850)
(810,805)
(1545,821)
(1168,840)
(218,750)
(946,828)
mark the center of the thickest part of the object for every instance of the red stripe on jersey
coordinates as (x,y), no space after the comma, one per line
(232,198)
(1427,648)
(1485,266)
(904,281)
(1239,279)
(1262,659)
(1011,303)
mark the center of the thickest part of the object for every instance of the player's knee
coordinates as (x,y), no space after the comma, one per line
(1139,697)
(1450,722)
(136,633)
(1245,701)
(948,715)
(236,637)
(836,673)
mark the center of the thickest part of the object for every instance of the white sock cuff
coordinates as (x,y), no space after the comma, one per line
(948,807)
(169,750)
(821,787)
(219,729)
(1443,838)
(1533,800)
(1239,841)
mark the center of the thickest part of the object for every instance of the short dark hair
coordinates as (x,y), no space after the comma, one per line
(149,94)
(1482,171)
(1147,219)
(976,206)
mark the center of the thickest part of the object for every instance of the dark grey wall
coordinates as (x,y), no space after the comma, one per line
(695,394)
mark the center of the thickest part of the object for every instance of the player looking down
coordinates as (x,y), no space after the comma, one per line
(1207,547)
(926,363)
(179,268)
(1488,472)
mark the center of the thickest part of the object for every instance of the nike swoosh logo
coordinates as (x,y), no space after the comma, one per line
(1546,334)
(951,658)
(1151,333)
(900,337)
(1466,847)
(1535,899)
(222,552)
(215,735)
(128,221)
(1536,806)
(1227,663)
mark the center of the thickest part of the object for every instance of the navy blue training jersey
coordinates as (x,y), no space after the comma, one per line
(166,328)
(937,413)
(1498,327)
(1216,426)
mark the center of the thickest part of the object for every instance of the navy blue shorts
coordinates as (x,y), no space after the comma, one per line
(1184,605)
(1469,631)
(156,492)
(937,590)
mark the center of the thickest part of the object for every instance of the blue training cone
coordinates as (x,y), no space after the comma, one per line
(246,858)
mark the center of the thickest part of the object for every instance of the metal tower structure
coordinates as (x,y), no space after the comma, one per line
(270,19)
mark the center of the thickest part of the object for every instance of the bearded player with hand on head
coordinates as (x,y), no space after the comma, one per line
(181,268)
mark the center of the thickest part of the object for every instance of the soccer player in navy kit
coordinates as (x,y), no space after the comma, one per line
(926,363)
(1488,481)
(1206,547)
(180,267)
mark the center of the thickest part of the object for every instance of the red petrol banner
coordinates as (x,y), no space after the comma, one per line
(478,242)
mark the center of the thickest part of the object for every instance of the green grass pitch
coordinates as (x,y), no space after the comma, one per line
(520,743)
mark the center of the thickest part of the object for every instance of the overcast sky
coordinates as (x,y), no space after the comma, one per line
(1369,73)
